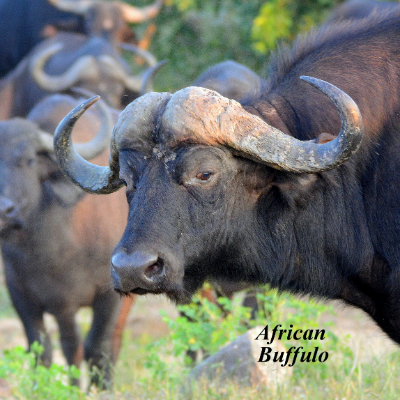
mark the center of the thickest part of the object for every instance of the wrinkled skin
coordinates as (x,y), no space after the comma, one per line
(56,243)
(174,202)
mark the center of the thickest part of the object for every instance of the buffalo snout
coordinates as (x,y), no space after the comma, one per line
(137,272)
(9,214)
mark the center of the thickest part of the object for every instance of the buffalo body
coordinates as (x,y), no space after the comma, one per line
(266,191)
(56,241)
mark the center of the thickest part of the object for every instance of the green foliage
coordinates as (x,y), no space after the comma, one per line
(343,375)
(274,22)
(207,327)
(195,34)
(202,326)
(156,370)
(283,20)
(29,380)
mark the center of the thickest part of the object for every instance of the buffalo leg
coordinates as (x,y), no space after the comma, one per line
(98,341)
(385,310)
(388,312)
(70,340)
(119,326)
(31,316)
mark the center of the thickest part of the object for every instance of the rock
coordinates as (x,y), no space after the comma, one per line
(238,362)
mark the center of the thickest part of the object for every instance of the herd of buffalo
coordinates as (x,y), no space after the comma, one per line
(289,179)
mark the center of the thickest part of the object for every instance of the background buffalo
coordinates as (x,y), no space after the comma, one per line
(25,23)
(56,240)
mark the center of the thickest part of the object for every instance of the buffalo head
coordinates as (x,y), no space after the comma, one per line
(69,60)
(109,19)
(231,79)
(29,173)
(195,165)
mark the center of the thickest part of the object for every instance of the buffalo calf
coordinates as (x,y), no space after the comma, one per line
(56,240)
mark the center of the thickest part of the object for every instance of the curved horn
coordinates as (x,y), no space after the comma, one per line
(88,150)
(226,123)
(90,177)
(101,141)
(142,53)
(135,15)
(148,76)
(84,68)
(77,6)
(115,70)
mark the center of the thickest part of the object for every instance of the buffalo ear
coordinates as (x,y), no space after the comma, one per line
(55,184)
(324,138)
(258,177)
(295,189)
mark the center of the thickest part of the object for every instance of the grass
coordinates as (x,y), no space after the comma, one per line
(347,378)
(376,379)
(6,308)
(151,367)
(352,371)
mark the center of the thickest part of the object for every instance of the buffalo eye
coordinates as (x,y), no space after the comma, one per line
(201,178)
(24,162)
(204,176)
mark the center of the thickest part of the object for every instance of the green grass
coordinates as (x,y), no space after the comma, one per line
(6,308)
(346,377)
(349,372)
(151,368)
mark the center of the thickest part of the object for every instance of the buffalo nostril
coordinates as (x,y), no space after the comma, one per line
(9,210)
(155,270)
(7,207)
(136,270)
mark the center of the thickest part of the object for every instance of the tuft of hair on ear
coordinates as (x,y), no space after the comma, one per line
(296,189)
(47,165)
(257,177)
(55,185)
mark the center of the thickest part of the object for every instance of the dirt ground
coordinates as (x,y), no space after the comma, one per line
(144,317)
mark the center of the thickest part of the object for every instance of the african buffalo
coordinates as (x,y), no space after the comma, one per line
(231,79)
(56,240)
(25,23)
(65,61)
(109,19)
(267,191)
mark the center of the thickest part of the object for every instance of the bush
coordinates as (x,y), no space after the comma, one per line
(195,34)
(29,381)
(206,327)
